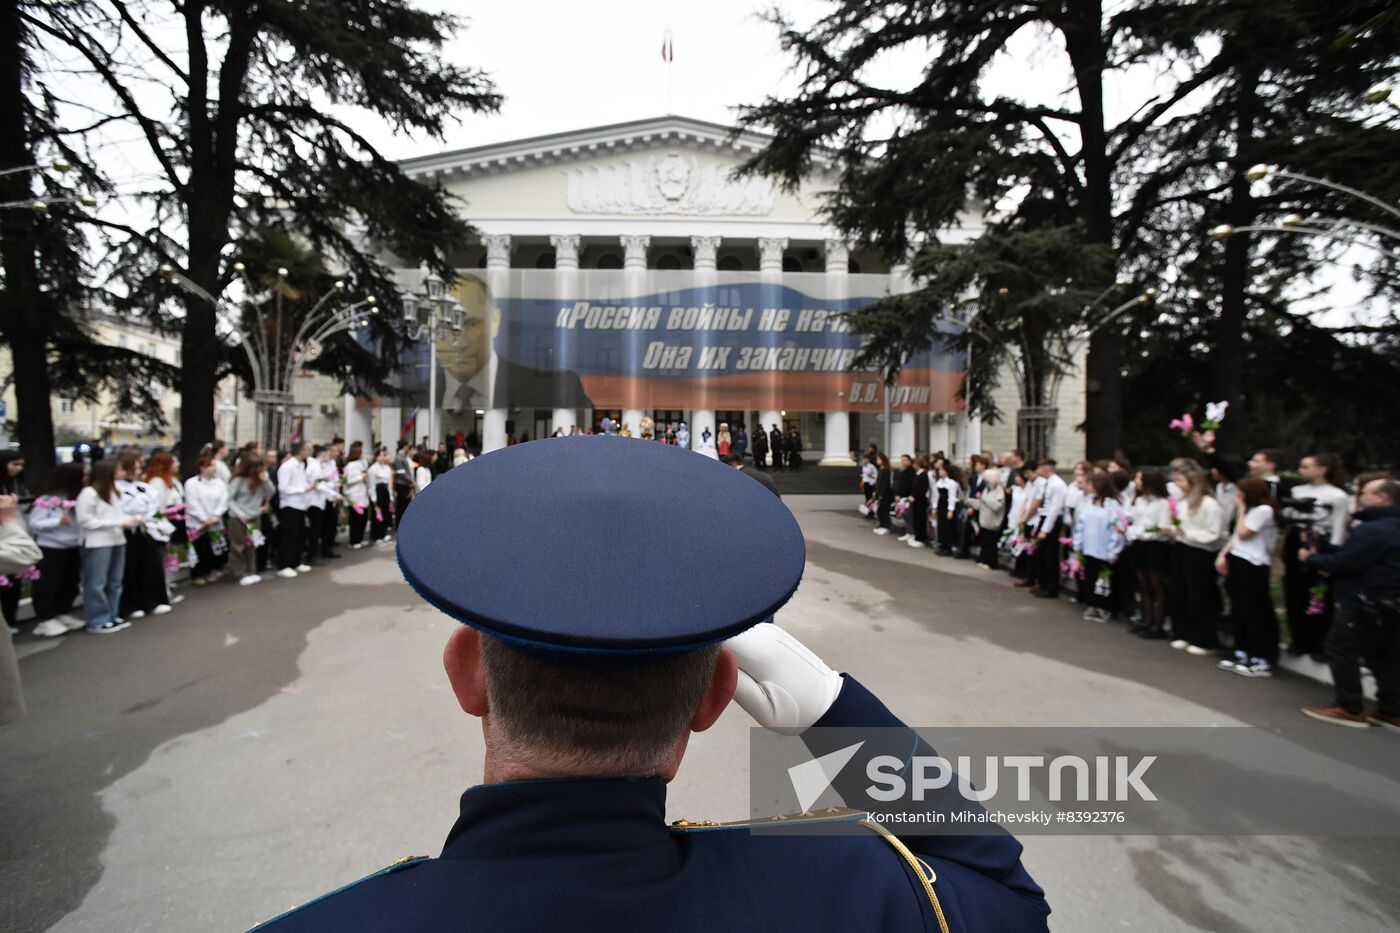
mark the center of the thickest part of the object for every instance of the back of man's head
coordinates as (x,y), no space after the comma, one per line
(569,717)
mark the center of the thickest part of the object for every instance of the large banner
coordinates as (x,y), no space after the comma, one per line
(672,340)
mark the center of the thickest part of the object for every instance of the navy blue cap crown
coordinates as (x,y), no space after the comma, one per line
(605,545)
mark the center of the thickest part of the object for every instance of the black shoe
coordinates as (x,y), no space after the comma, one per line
(1044,594)
(1153,634)
(330,555)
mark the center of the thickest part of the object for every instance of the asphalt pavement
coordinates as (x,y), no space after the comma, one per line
(258,746)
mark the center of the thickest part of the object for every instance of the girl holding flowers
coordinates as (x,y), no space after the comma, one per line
(1099,538)
(144,590)
(356,491)
(206,499)
(54,524)
(249,495)
(1149,545)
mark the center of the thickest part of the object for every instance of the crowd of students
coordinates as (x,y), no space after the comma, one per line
(120,532)
(1183,554)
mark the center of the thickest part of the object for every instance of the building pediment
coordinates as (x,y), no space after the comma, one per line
(578,146)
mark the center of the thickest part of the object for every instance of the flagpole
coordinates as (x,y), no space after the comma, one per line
(668,54)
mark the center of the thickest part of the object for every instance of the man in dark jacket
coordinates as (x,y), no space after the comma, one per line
(1365,580)
(760,448)
(778,445)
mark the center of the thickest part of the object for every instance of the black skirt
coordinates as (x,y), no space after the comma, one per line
(1152,555)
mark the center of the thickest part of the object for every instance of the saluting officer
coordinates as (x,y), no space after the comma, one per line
(588,695)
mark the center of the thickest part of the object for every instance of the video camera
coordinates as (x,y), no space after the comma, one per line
(1313,520)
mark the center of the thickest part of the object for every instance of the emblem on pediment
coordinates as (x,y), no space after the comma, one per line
(672,184)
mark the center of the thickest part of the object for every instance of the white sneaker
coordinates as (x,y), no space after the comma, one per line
(913,543)
(138,614)
(286,573)
(906,537)
(257,578)
(161,610)
(249,580)
(177,599)
(72,623)
(1257,667)
(1180,644)
(882,531)
(1229,664)
(303,568)
(50,628)
(1197,650)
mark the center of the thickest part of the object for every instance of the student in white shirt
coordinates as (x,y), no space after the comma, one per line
(1049,522)
(206,501)
(144,589)
(1324,525)
(316,504)
(356,491)
(380,477)
(1193,588)
(1245,561)
(1149,547)
(422,470)
(293,497)
(331,498)
(1016,518)
(101,523)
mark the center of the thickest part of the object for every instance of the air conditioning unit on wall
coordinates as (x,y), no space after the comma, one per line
(329,411)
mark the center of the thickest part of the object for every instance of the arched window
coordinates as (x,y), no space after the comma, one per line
(853,267)
(610,261)
(546,261)
(729,263)
(792,264)
(670,262)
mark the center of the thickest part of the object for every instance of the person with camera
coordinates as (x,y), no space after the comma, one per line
(1315,513)
(1365,578)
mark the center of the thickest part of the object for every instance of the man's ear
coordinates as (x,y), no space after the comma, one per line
(462,661)
(718,693)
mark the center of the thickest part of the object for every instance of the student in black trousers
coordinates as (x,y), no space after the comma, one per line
(884,491)
(916,519)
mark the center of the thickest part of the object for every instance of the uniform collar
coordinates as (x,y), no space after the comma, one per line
(570,817)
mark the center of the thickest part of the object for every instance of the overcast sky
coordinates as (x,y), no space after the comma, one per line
(566,65)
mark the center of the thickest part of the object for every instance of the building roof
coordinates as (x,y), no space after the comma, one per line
(586,143)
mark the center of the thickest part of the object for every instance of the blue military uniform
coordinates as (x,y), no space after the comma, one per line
(596,853)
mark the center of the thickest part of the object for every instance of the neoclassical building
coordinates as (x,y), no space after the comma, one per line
(625,272)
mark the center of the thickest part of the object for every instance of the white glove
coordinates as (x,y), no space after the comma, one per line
(782,684)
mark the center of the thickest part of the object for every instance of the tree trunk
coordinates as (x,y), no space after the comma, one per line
(1084,43)
(25,322)
(1227,362)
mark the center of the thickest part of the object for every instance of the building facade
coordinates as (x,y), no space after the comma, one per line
(625,272)
(99,421)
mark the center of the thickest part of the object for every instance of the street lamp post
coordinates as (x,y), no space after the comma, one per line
(1342,230)
(274,367)
(428,313)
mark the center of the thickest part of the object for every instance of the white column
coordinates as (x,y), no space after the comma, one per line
(704,248)
(634,249)
(939,434)
(358,423)
(901,437)
(565,250)
(493,430)
(838,423)
(770,253)
(838,440)
(390,424)
(700,419)
(497,250)
(768,418)
(838,257)
(974,434)
(493,421)
(565,418)
(632,417)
